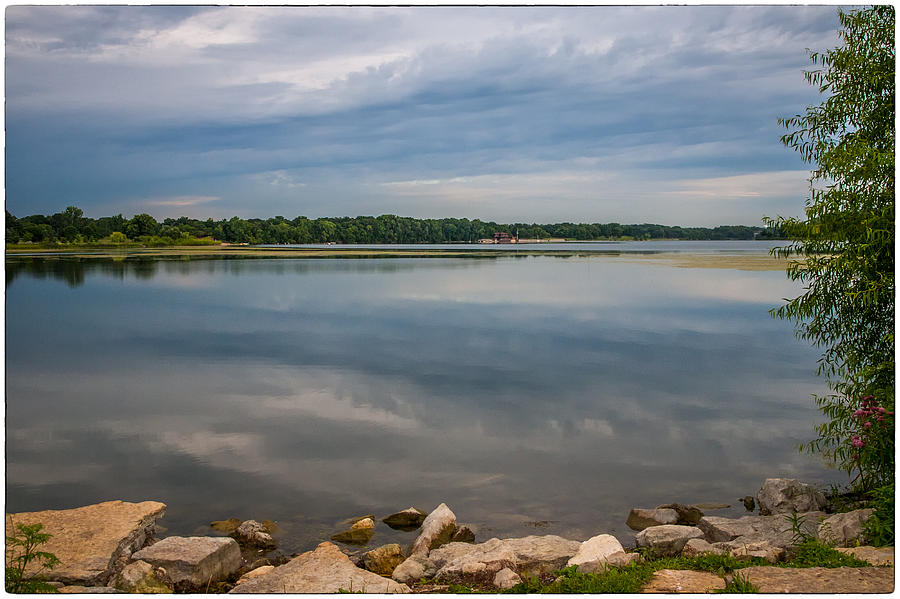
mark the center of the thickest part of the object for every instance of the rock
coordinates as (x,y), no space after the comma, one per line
(532,555)
(226,526)
(408,519)
(787,495)
(414,568)
(90,540)
(843,529)
(683,581)
(688,515)
(619,559)
(194,562)
(749,502)
(772,579)
(437,528)
(351,521)
(80,590)
(695,547)
(141,577)
(506,579)
(762,549)
(354,536)
(668,539)
(713,505)
(253,534)
(481,561)
(323,570)
(596,549)
(363,524)
(775,529)
(463,534)
(254,573)
(537,555)
(384,559)
(639,519)
(877,556)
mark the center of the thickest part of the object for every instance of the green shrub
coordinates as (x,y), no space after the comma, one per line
(21,551)
(879,528)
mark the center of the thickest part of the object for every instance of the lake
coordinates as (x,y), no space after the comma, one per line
(534,394)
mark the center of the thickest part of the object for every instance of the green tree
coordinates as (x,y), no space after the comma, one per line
(22,552)
(141,224)
(846,242)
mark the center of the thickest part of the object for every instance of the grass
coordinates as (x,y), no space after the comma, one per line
(631,578)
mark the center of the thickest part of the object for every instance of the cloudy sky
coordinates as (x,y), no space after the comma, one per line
(640,114)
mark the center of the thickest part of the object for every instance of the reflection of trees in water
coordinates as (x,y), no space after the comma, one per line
(73,270)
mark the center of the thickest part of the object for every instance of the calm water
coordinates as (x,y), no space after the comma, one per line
(516,389)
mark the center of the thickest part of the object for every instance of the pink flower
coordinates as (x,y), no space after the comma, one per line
(867,424)
(856,441)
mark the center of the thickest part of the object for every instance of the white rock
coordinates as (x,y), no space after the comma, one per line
(414,568)
(251,532)
(437,529)
(596,549)
(506,579)
(363,524)
(696,547)
(668,539)
(484,558)
(843,529)
(195,561)
(323,570)
(788,495)
(141,577)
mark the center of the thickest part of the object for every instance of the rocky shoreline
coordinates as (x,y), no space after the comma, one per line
(111,547)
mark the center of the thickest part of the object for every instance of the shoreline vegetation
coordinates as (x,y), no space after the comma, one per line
(143,230)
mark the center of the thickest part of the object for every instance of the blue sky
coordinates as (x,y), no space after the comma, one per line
(547,114)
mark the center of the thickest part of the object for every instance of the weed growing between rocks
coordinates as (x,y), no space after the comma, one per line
(816,554)
(879,528)
(739,584)
(22,550)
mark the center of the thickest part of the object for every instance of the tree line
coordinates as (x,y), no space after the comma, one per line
(71,226)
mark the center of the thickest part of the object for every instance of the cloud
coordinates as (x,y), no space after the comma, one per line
(182,201)
(315,109)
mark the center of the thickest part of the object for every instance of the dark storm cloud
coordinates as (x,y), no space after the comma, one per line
(548,114)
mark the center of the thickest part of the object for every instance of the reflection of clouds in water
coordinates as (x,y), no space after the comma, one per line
(320,381)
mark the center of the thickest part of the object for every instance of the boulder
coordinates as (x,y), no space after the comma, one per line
(141,577)
(194,562)
(668,539)
(506,579)
(775,529)
(414,568)
(689,515)
(772,579)
(788,495)
(90,540)
(463,534)
(480,562)
(639,519)
(541,554)
(763,549)
(844,529)
(696,547)
(253,534)
(408,519)
(877,556)
(226,526)
(596,549)
(384,559)
(437,528)
(710,505)
(354,536)
(363,523)
(254,573)
(749,502)
(619,559)
(683,581)
(324,570)
(351,521)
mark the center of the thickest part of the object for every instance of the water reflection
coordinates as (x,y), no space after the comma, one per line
(308,391)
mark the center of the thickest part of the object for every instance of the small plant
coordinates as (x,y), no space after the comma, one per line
(799,534)
(739,584)
(21,552)
(879,528)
